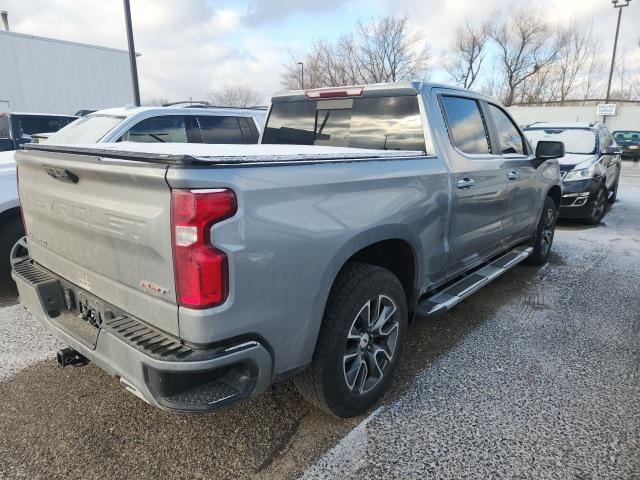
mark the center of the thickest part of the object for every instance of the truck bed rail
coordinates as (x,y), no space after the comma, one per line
(212,161)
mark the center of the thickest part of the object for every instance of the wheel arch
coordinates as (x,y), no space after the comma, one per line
(9,214)
(374,247)
(555,192)
(393,247)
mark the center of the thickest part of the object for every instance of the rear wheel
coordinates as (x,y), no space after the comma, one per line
(545,232)
(360,342)
(598,207)
(9,235)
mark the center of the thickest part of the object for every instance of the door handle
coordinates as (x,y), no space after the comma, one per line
(513,175)
(466,183)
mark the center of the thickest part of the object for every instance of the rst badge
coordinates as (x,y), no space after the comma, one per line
(153,288)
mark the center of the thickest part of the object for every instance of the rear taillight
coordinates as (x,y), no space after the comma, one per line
(201,271)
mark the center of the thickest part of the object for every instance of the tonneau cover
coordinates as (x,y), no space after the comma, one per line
(208,154)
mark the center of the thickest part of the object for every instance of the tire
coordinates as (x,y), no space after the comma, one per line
(9,235)
(598,207)
(545,232)
(340,380)
(614,190)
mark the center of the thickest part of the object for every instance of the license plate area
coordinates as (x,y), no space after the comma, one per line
(81,315)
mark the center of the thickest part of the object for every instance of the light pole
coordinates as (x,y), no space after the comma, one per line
(132,54)
(301,74)
(619,6)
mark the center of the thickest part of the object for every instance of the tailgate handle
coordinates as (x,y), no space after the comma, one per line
(63,175)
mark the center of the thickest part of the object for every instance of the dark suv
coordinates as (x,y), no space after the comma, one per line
(17,128)
(590,169)
(629,142)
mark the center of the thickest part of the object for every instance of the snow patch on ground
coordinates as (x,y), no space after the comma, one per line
(24,341)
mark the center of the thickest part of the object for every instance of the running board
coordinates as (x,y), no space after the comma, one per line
(446,299)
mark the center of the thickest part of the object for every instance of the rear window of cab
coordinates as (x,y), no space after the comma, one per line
(381,123)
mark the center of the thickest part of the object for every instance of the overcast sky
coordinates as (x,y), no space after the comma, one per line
(191,47)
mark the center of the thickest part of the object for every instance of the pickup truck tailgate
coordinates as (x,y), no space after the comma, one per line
(103,225)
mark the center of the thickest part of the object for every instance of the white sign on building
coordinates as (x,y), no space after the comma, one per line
(606,109)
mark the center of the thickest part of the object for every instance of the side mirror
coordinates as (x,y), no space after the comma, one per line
(613,151)
(548,151)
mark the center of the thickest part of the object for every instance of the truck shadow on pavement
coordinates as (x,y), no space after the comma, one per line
(81,423)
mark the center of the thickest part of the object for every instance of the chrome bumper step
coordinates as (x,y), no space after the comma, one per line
(446,299)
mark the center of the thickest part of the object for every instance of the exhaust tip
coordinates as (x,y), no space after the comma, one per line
(68,356)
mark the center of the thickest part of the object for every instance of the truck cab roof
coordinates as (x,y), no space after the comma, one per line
(376,89)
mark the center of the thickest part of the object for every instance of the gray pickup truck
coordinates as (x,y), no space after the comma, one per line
(198,275)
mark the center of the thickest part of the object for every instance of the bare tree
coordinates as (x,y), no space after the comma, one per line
(467,55)
(593,77)
(576,45)
(538,87)
(240,96)
(525,44)
(389,52)
(378,51)
(622,88)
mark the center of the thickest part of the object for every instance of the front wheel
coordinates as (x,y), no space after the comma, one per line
(545,232)
(360,342)
(598,206)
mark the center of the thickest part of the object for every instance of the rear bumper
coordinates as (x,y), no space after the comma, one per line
(149,363)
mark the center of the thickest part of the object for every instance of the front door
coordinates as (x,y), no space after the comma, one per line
(479,183)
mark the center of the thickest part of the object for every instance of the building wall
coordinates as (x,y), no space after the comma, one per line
(627,117)
(51,76)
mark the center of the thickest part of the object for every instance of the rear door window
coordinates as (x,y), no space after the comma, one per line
(162,129)
(510,139)
(220,129)
(381,123)
(249,129)
(467,127)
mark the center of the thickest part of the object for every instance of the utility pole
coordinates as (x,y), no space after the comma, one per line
(132,54)
(301,74)
(619,6)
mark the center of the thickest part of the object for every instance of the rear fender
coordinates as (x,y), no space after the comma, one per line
(343,255)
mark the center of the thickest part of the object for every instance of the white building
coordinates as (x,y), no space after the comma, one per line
(626,117)
(40,74)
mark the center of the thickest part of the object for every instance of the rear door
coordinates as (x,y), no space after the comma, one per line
(522,203)
(104,226)
(479,182)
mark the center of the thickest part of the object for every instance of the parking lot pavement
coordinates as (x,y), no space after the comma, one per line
(536,375)
(546,386)
(23,341)
(8,295)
